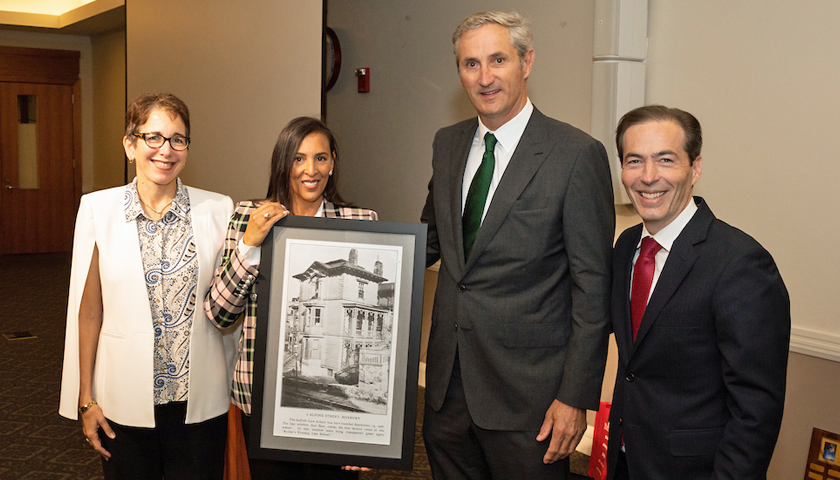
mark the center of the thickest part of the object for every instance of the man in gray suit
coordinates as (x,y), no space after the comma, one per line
(520,213)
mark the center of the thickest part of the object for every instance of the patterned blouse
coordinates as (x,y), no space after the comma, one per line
(170,265)
(233,292)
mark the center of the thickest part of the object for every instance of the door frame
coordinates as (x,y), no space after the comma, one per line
(51,67)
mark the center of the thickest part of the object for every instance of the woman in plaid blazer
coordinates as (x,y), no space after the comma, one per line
(303,182)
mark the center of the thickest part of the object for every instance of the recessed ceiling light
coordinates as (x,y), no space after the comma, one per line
(43,7)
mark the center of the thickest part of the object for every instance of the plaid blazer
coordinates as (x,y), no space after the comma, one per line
(232,292)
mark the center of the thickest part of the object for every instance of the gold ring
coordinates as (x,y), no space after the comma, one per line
(266,216)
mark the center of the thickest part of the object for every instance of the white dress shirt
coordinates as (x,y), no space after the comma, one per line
(507,138)
(665,238)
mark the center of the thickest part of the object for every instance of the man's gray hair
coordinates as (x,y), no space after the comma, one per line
(518,29)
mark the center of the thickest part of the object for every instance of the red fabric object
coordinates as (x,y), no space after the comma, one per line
(642,278)
(600,439)
(236,454)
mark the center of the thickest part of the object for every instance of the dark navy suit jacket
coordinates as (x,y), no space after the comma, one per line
(700,393)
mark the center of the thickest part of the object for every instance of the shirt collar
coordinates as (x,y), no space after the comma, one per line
(668,235)
(508,135)
(180,206)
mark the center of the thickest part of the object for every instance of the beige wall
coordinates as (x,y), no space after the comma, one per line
(760,77)
(243,70)
(83,46)
(385,136)
(108,60)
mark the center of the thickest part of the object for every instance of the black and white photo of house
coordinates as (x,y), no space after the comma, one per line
(338,328)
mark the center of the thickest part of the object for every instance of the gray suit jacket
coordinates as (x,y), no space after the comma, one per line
(528,314)
(699,395)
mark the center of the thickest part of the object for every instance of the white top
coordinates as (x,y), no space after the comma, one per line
(507,138)
(666,238)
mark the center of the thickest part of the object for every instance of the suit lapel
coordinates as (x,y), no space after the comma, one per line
(458,163)
(623,255)
(529,155)
(682,256)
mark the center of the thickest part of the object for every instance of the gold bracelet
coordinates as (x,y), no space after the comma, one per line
(84,408)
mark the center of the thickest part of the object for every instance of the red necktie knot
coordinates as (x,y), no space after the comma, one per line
(649,248)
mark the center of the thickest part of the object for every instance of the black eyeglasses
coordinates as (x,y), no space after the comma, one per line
(156,140)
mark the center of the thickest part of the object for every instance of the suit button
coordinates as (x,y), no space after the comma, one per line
(462,288)
(620,421)
(630,377)
(456,326)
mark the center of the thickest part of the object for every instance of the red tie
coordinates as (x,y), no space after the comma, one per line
(642,278)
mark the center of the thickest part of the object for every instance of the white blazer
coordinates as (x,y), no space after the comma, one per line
(123,371)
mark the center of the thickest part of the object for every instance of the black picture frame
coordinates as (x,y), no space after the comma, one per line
(334,381)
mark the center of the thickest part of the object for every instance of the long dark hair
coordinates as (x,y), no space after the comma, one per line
(283,159)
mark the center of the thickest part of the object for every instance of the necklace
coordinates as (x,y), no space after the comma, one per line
(159,212)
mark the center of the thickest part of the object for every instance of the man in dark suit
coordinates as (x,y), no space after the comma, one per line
(520,213)
(701,318)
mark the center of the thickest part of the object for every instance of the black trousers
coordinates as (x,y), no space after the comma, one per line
(459,449)
(276,470)
(172,450)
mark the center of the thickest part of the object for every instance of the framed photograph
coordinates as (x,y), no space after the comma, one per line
(823,459)
(338,342)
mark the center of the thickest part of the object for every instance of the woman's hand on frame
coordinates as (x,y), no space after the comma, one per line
(262,219)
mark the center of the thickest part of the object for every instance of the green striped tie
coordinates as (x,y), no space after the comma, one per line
(477,196)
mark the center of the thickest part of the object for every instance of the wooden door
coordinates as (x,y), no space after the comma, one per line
(37,202)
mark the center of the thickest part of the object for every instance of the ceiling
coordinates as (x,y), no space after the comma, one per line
(68,17)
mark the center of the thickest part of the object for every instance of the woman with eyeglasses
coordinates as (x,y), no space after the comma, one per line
(144,369)
(303,181)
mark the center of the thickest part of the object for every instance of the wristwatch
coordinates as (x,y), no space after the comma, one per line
(84,408)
